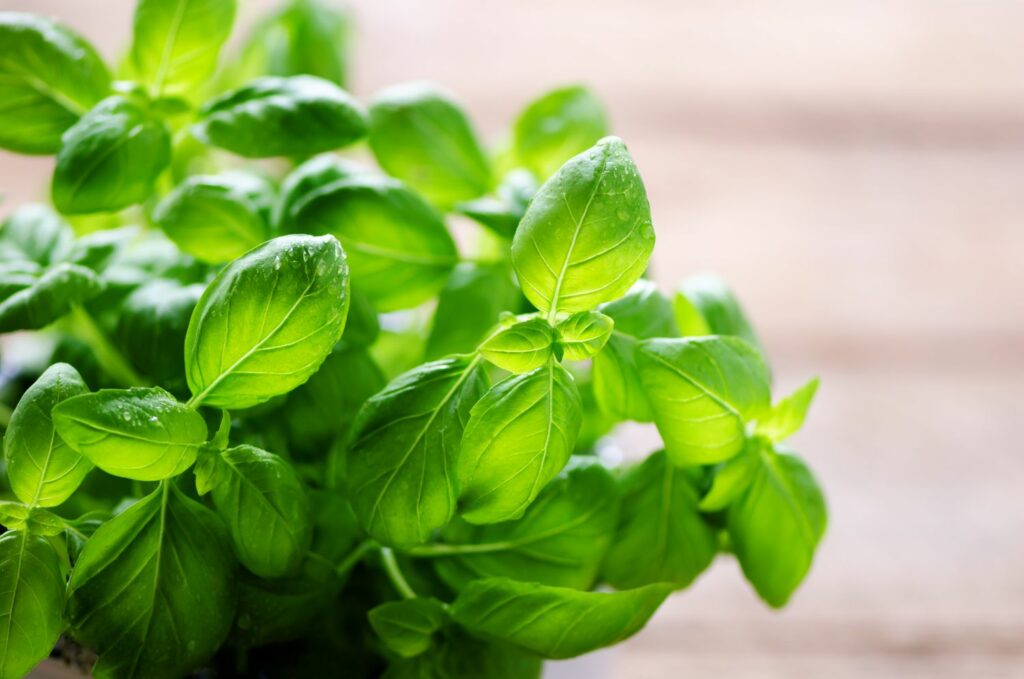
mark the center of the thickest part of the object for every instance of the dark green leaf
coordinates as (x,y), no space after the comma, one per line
(704,305)
(110,158)
(584,334)
(519,436)
(267,322)
(295,116)
(138,433)
(468,307)
(556,127)
(35,301)
(522,347)
(458,655)
(787,416)
(35,233)
(313,174)
(407,627)
(503,212)
(49,76)
(31,602)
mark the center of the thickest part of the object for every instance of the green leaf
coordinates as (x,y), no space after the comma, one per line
(703,391)
(732,477)
(176,42)
(468,307)
(502,212)
(110,159)
(787,416)
(643,312)
(776,526)
(458,655)
(401,465)
(584,334)
(704,305)
(522,347)
(34,301)
(313,174)
(556,127)
(31,602)
(587,235)
(36,233)
(407,627)
(363,326)
(267,322)
(420,135)
(153,591)
(49,76)
(554,622)
(216,218)
(662,536)
(41,468)
(265,507)
(560,541)
(295,116)
(138,433)
(519,436)
(400,251)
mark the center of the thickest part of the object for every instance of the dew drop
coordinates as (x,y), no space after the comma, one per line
(277,263)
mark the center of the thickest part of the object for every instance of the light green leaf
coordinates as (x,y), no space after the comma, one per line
(36,233)
(265,507)
(34,301)
(502,212)
(176,42)
(519,436)
(401,464)
(216,218)
(153,590)
(110,159)
(522,347)
(662,536)
(295,116)
(643,313)
(787,416)
(313,174)
(704,305)
(34,520)
(138,433)
(555,622)
(400,251)
(49,76)
(468,307)
(584,334)
(587,235)
(407,627)
(732,477)
(31,602)
(267,322)
(703,391)
(41,468)
(556,127)
(776,526)
(420,135)
(560,541)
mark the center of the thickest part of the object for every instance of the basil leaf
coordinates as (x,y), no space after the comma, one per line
(313,174)
(264,505)
(38,301)
(400,251)
(175,43)
(407,627)
(560,541)
(787,416)
(420,135)
(153,590)
(776,526)
(584,334)
(503,212)
(519,436)
(660,521)
(643,312)
(363,326)
(731,478)
(587,235)
(704,305)
(572,623)
(522,347)
(138,433)
(35,233)
(41,468)
(468,307)
(216,218)
(458,655)
(401,465)
(110,159)
(49,76)
(556,127)
(267,322)
(702,392)
(31,600)
(296,116)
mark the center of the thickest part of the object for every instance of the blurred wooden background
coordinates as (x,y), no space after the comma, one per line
(856,170)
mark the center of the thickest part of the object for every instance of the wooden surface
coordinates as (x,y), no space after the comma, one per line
(856,170)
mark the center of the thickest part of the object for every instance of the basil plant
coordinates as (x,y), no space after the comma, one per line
(266,418)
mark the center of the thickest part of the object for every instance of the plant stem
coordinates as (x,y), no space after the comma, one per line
(355,556)
(440,549)
(109,356)
(395,573)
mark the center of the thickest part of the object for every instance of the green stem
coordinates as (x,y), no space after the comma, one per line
(395,573)
(355,556)
(109,356)
(440,549)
